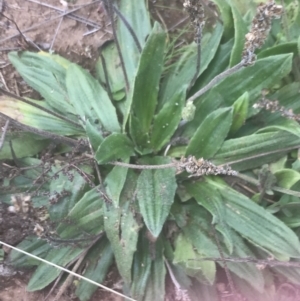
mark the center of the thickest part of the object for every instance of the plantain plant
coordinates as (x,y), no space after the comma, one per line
(175,168)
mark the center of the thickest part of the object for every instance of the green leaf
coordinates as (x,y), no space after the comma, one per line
(114,182)
(288,97)
(93,134)
(240,30)
(166,121)
(29,115)
(155,289)
(226,15)
(146,86)
(86,215)
(24,145)
(290,273)
(115,146)
(218,64)
(211,134)
(249,219)
(247,271)
(99,259)
(89,99)
(183,72)
(138,17)
(45,273)
(141,267)
(198,230)
(186,254)
(116,83)
(286,178)
(122,231)
(45,75)
(261,75)
(32,245)
(290,47)
(255,150)
(283,124)
(71,191)
(155,194)
(240,111)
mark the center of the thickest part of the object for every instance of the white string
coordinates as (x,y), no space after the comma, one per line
(65,270)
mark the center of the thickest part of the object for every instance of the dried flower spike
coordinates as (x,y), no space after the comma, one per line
(201,167)
(21,203)
(38,230)
(196,12)
(274,106)
(260,29)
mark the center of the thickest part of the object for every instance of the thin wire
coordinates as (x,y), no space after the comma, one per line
(67,271)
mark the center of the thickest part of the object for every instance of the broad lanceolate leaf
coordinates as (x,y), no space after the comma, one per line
(255,150)
(23,144)
(290,47)
(45,75)
(167,120)
(45,273)
(155,289)
(86,215)
(286,178)
(288,96)
(109,65)
(146,86)
(183,72)
(240,29)
(122,231)
(249,219)
(186,255)
(155,194)
(99,260)
(32,245)
(115,146)
(141,267)
(94,134)
(240,111)
(211,134)
(138,17)
(35,117)
(218,64)
(261,75)
(89,99)
(253,79)
(114,182)
(226,16)
(68,192)
(198,230)
(283,124)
